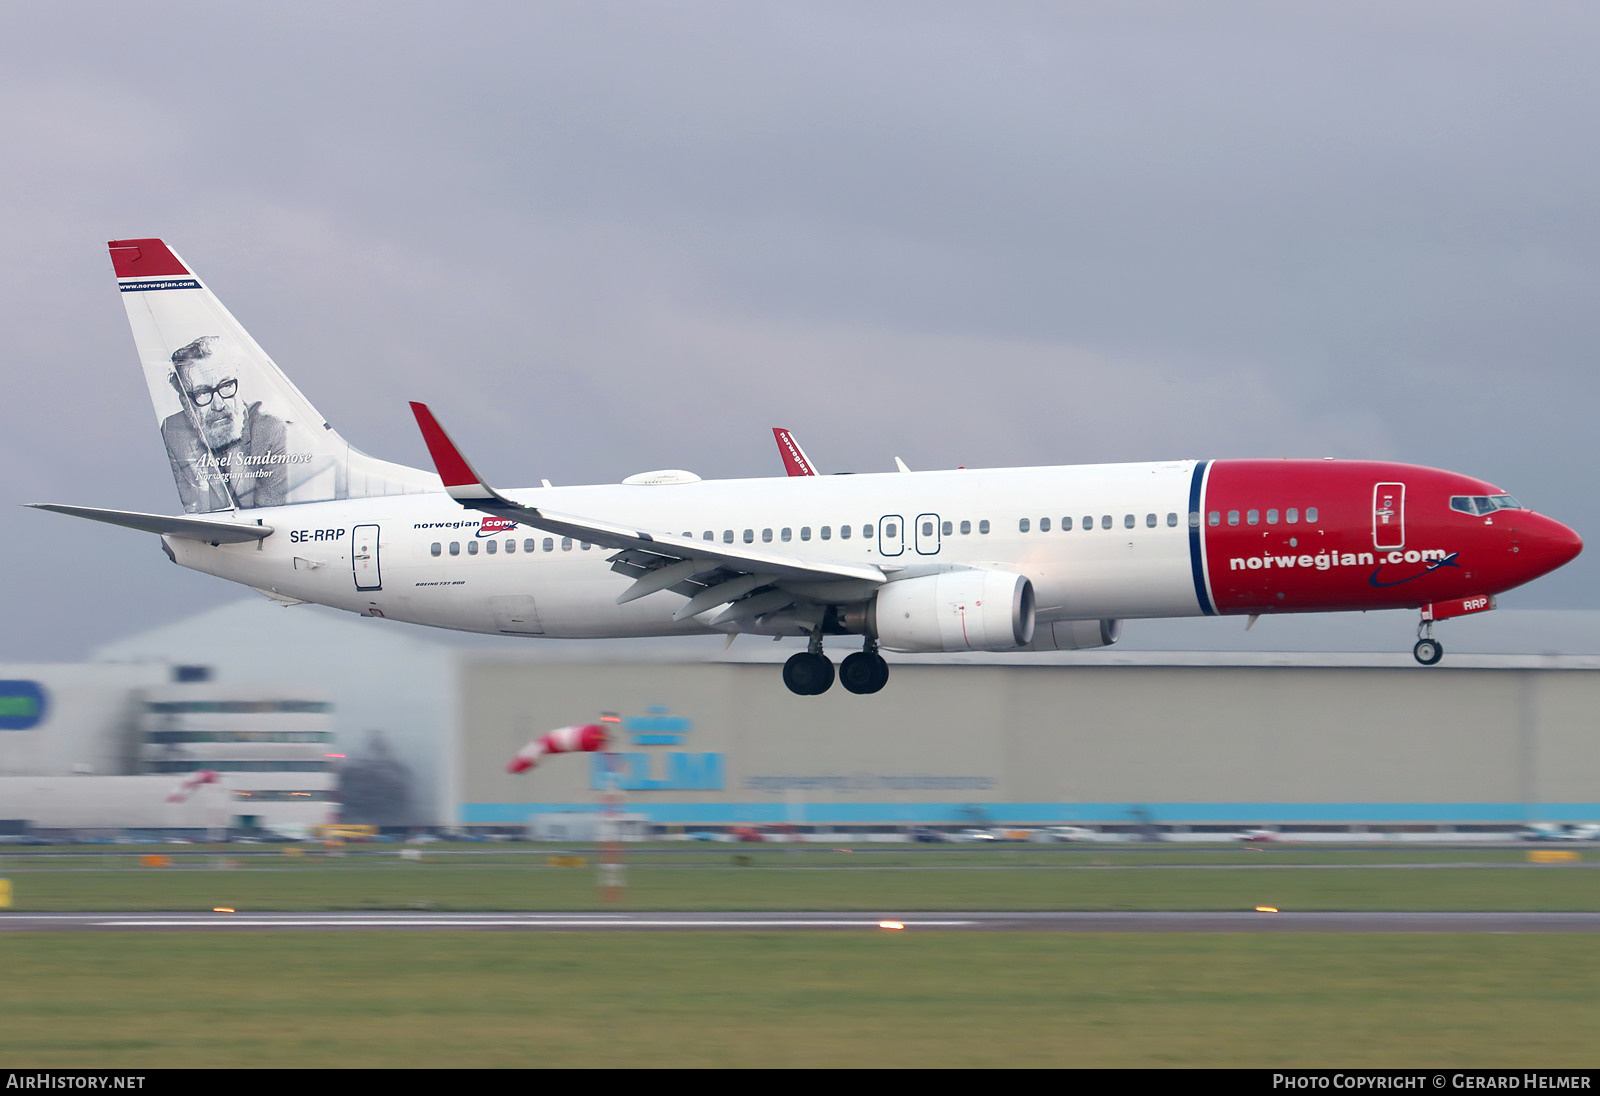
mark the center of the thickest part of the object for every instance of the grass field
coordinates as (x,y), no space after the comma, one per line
(449,999)
(731,878)
(134,1001)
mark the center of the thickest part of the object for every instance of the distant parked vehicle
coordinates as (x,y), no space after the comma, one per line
(1555,831)
(1259,835)
(1065,833)
(975,834)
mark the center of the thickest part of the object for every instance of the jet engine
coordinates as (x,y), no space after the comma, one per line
(950,611)
(1075,635)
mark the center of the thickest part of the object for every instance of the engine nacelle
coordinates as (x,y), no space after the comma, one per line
(1075,635)
(953,611)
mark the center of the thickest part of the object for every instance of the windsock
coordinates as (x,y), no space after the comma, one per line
(585,738)
(204,776)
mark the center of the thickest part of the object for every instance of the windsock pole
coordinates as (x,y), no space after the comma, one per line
(612,881)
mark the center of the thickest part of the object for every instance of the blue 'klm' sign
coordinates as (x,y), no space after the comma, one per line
(22,705)
(675,770)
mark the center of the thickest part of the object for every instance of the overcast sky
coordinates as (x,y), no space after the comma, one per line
(605,238)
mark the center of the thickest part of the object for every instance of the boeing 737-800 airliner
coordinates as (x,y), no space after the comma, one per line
(1002,559)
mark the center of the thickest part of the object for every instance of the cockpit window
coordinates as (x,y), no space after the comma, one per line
(1483,504)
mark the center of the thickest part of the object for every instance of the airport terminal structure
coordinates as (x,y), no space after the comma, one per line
(288,706)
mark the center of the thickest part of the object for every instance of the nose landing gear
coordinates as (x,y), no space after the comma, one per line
(1428,650)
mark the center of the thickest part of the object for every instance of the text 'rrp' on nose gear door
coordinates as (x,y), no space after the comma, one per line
(364,557)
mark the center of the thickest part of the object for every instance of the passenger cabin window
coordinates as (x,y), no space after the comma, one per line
(1066,525)
(1172,520)
(826,532)
(727,536)
(1105,521)
(1022,526)
(435,548)
(891,530)
(566,544)
(1044,525)
(844,532)
(1088,522)
(472,547)
(766,536)
(866,531)
(491,547)
(511,546)
(1149,521)
(966,528)
(455,548)
(1127,521)
(749,536)
(1233,517)
(983,526)
(947,528)
(1272,517)
(787,535)
(549,544)
(805,532)
(1291,516)
(530,545)
(1253,517)
(1311,515)
(708,535)
(585,545)
(1215,518)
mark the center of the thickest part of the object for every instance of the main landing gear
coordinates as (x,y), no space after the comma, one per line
(810,673)
(1428,650)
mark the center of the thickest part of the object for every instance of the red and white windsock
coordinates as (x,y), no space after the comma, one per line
(204,776)
(584,738)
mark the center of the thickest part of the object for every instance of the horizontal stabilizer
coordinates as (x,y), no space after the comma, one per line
(210,530)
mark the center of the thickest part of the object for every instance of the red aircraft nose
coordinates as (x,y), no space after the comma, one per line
(1547,544)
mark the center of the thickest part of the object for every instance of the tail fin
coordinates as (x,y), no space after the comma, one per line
(239,434)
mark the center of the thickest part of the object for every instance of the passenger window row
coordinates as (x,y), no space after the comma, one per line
(492,547)
(1291,516)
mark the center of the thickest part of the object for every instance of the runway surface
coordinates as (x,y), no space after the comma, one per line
(1244,921)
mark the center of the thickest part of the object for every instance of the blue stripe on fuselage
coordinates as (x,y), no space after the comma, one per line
(1195,529)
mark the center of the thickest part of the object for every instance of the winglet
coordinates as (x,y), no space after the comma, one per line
(795,461)
(463,483)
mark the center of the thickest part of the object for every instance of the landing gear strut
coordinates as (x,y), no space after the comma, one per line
(865,671)
(1428,650)
(809,673)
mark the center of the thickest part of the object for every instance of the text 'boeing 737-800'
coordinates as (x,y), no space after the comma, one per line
(999,559)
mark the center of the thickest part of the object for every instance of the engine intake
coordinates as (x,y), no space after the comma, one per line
(952,611)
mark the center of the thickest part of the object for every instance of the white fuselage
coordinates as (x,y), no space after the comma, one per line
(427,564)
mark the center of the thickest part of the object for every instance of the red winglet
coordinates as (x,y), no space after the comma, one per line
(795,461)
(144,259)
(453,467)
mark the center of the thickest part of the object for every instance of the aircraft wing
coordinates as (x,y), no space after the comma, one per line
(209,530)
(707,573)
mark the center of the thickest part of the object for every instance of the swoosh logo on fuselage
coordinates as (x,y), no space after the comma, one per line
(1432,566)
